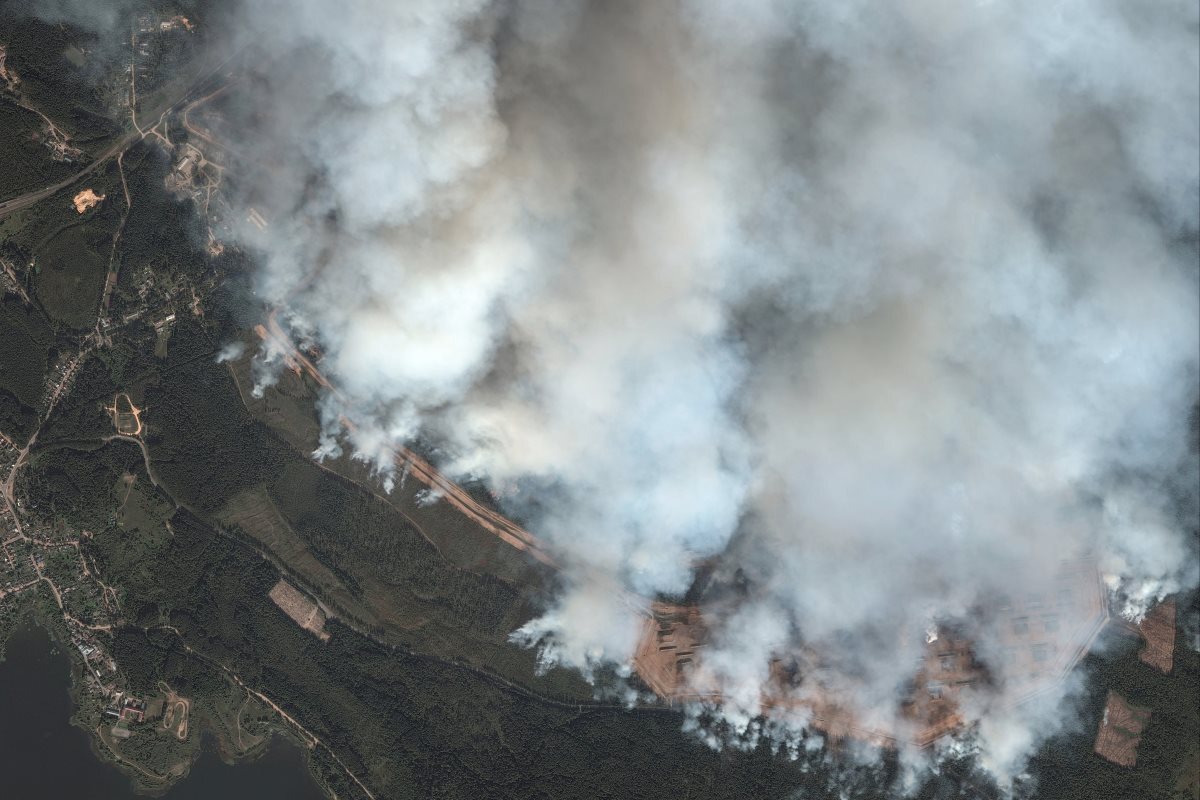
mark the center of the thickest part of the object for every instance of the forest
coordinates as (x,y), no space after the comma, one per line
(414,722)
(417,692)
(67,91)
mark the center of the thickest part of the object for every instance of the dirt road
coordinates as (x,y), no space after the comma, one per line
(119,146)
(308,736)
(31,198)
(488,519)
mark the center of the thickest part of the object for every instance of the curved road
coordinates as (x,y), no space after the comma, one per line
(119,146)
(26,200)
(491,521)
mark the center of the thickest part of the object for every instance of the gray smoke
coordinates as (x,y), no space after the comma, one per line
(893,304)
(110,18)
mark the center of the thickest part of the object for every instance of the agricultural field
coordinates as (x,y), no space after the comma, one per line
(255,514)
(144,508)
(69,274)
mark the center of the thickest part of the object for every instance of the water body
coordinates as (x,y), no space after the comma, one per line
(44,757)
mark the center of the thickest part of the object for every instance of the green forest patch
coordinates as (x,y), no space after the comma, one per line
(71,269)
(17,420)
(63,91)
(143,508)
(12,223)
(254,513)
(1066,764)
(78,484)
(288,407)
(24,356)
(27,164)
(28,230)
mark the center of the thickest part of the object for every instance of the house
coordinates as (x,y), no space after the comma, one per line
(133,710)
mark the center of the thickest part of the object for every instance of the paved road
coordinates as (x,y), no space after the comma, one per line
(119,146)
(26,200)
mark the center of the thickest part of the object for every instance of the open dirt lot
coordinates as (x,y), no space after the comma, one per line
(305,612)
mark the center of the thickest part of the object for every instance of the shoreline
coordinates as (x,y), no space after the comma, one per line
(29,610)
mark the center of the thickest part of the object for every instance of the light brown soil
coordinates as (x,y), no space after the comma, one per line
(303,611)
(126,417)
(176,712)
(1158,629)
(86,199)
(1120,731)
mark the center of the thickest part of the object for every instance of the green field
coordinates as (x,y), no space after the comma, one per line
(70,274)
(28,339)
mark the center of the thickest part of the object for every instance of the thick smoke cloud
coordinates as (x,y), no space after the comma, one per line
(892,304)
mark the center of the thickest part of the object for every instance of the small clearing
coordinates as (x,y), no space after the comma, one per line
(87,199)
(1120,731)
(303,611)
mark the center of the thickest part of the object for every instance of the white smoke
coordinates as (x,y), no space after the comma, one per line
(892,304)
(231,352)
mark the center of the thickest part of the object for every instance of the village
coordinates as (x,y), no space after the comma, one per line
(42,559)
(48,559)
(44,563)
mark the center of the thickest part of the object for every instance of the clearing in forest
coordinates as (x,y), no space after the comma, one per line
(303,611)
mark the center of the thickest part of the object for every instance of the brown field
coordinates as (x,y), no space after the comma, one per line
(1044,639)
(1120,731)
(176,713)
(255,513)
(303,611)
(86,199)
(1158,629)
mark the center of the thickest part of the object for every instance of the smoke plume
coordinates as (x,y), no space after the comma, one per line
(891,305)
(894,305)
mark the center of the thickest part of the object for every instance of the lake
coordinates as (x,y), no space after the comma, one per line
(44,757)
